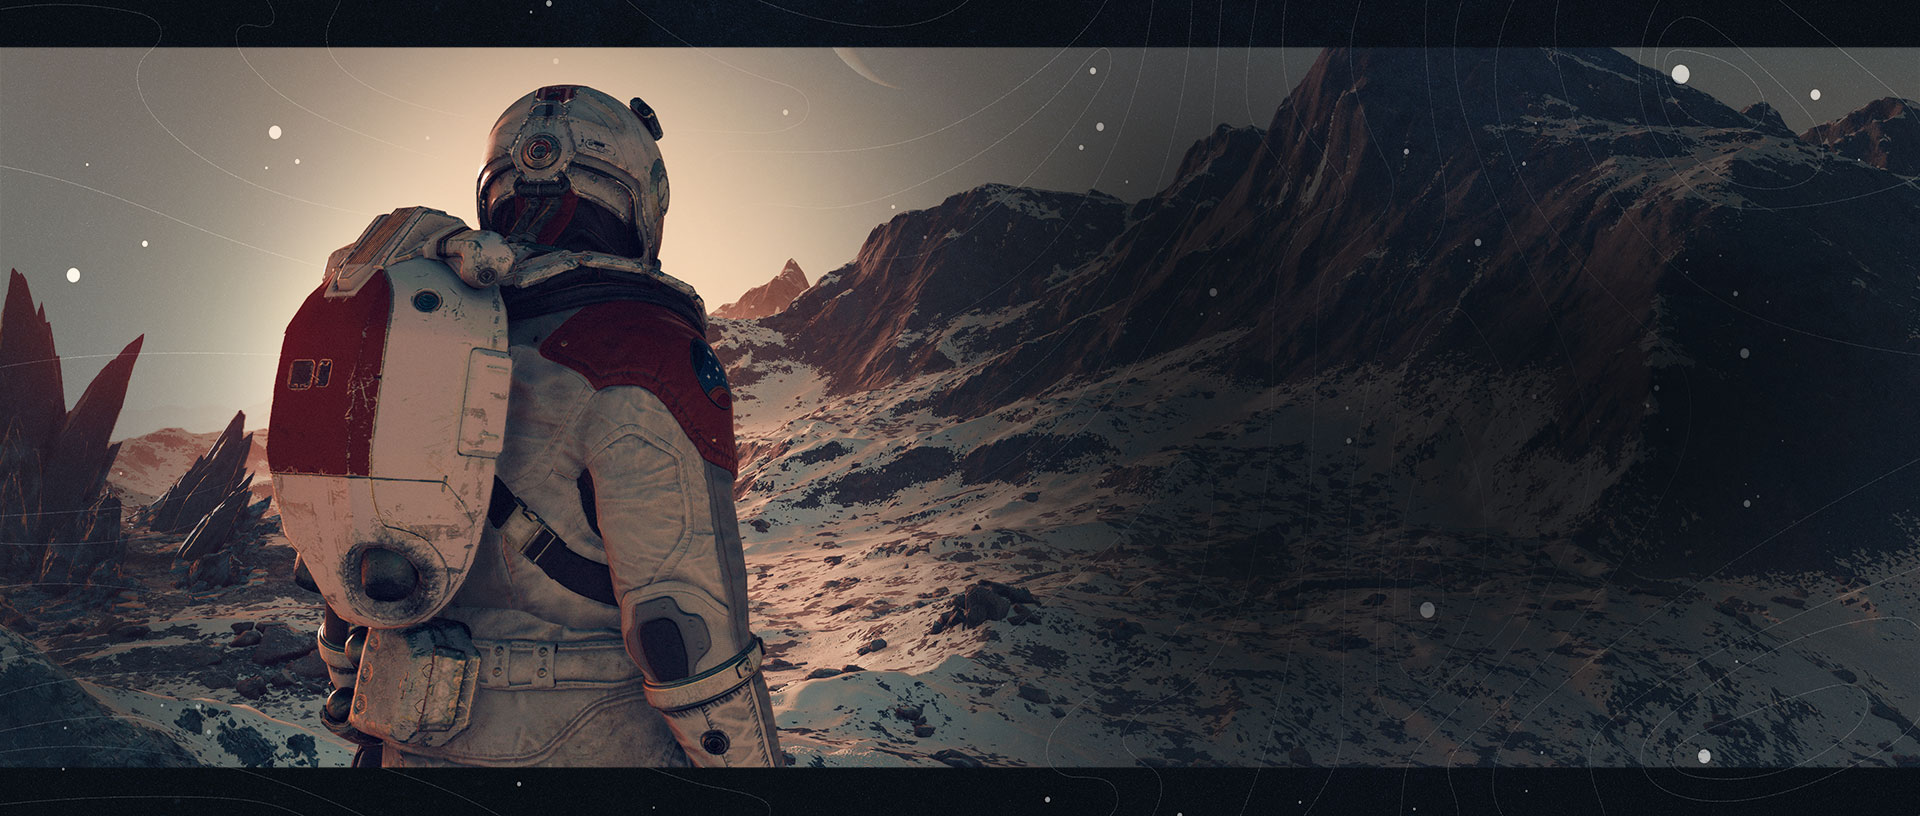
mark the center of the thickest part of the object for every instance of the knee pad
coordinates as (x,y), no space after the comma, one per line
(675,630)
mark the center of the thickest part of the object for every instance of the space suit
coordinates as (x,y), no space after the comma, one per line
(598,615)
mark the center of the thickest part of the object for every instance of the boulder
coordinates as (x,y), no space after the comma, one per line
(52,721)
(309,666)
(957,759)
(215,570)
(982,602)
(279,644)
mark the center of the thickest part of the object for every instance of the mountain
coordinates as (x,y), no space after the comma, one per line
(1579,299)
(768,298)
(1462,348)
(1769,119)
(1885,134)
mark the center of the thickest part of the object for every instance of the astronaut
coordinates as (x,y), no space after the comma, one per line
(603,617)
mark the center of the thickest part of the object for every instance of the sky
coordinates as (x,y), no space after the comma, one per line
(196,193)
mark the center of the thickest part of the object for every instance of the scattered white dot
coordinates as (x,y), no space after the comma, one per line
(1706,756)
(1099,126)
(265,167)
(893,206)
(296,161)
(143,243)
(1815,94)
(73,275)
(1746,503)
(429,138)
(785,112)
(1476,242)
(1047,799)
(516,784)
(1083,147)
(549,3)
(1656,388)
(1736,293)
(1349,440)
(1406,151)
(88,164)
(1093,70)
(1744,354)
(1680,74)
(1426,609)
(556,60)
(1213,293)
(273,132)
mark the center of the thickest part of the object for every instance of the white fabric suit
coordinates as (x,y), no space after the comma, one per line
(668,523)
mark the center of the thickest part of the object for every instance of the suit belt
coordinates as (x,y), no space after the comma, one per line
(546,664)
(523,531)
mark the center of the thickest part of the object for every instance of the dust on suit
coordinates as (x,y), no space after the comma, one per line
(607,601)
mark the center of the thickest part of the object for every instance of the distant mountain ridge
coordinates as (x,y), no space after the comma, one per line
(1885,133)
(1547,264)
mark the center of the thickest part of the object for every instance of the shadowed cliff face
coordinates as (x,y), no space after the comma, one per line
(1527,258)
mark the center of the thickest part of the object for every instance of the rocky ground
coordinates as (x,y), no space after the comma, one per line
(1229,578)
(229,671)
(1119,616)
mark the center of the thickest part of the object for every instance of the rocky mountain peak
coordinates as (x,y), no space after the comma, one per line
(1767,118)
(768,298)
(1885,133)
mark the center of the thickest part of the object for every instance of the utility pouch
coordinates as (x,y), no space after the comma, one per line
(416,685)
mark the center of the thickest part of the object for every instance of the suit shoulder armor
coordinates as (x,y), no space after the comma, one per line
(646,345)
(391,238)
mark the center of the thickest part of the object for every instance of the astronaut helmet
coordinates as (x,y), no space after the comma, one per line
(569,166)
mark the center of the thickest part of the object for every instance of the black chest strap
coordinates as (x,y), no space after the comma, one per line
(525,532)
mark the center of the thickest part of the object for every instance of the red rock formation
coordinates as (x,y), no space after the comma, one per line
(54,462)
(769,298)
(213,478)
(1885,134)
(30,389)
(77,471)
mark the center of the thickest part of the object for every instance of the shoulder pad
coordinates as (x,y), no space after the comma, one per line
(394,237)
(629,343)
